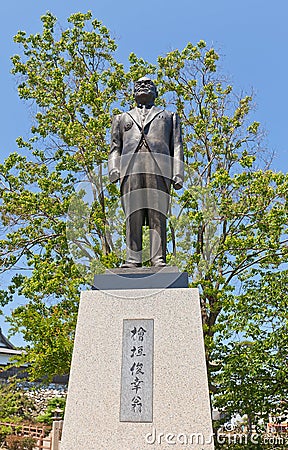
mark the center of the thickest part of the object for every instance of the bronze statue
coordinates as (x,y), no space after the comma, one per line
(146,155)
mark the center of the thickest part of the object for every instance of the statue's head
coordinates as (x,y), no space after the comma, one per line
(145,91)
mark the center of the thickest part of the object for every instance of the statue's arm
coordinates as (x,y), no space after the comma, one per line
(115,150)
(178,160)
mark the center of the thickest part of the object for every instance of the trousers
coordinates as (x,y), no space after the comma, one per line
(145,196)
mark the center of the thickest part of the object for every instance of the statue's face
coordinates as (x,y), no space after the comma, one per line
(145,91)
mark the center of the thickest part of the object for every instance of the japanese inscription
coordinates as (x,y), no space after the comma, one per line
(137,371)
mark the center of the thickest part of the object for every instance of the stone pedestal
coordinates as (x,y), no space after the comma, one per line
(180,415)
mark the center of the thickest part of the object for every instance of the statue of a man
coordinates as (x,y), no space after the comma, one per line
(146,155)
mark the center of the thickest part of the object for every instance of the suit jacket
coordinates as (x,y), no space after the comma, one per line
(161,132)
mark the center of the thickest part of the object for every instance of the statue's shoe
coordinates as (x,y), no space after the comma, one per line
(160,264)
(128,265)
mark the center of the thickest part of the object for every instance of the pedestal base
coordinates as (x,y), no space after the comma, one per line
(142,278)
(181,412)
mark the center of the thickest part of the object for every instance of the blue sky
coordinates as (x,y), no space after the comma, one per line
(251,35)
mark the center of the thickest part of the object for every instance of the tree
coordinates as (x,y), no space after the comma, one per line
(227,229)
(248,213)
(72,82)
(255,353)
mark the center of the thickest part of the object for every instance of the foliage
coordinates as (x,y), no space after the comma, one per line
(14,404)
(238,235)
(228,228)
(73,82)
(256,361)
(20,442)
(5,430)
(53,404)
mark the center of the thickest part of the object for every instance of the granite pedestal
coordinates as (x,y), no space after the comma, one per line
(180,414)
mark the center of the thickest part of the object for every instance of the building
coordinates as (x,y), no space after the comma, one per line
(7,353)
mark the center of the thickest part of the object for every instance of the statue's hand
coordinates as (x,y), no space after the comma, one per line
(177,182)
(114,175)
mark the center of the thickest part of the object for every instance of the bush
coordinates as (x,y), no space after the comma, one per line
(53,404)
(4,432)
(14,402)
(20,442)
